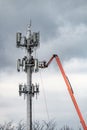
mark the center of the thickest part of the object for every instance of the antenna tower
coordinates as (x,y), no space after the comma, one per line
(29,64)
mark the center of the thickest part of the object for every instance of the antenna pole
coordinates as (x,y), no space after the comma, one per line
(29,65)
(29,95)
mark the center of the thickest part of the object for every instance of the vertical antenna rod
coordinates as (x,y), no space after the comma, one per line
(29,65)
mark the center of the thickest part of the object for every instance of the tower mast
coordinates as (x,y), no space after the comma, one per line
(28,65)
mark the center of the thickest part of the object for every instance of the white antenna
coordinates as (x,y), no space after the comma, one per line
(28,30)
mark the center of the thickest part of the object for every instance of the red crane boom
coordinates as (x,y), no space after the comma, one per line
(70,90)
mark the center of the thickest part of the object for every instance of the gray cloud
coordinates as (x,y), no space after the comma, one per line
(47,17)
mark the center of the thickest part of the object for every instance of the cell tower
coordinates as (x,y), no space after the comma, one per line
(29,65)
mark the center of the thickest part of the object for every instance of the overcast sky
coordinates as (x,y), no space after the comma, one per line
(63,31)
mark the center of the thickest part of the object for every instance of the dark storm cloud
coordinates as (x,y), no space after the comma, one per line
(47,17)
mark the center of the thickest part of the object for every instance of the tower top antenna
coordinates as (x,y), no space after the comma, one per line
(29,29)
(29,25)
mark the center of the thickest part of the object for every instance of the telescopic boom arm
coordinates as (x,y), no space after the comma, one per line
(69,87)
